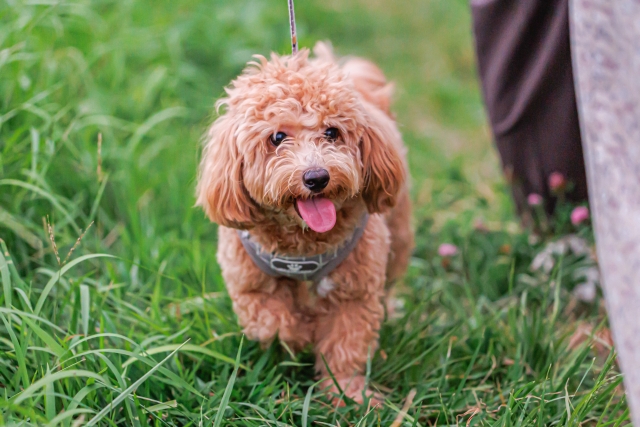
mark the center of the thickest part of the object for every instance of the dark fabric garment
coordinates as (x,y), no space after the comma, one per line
(524,61)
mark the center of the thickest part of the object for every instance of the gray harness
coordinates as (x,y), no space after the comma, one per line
(312,268)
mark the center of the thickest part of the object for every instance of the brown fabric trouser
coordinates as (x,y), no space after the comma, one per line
(524,62)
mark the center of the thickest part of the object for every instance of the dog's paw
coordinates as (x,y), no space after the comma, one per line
(354,389)
(297,338)
(296,330)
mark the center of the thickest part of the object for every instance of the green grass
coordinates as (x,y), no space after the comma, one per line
(136,329)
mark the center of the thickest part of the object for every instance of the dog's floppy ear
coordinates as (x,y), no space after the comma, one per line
(220,190)
(384,169)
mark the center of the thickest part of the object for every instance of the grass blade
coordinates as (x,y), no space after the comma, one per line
(19,351)
(63,416)
(63,270)
(6,280)
(74,373)
(45,337)
(41,192)
(49,398)
(128,391)
(85,305)
(227,391)
(305,406)
(186,347)
(162,406)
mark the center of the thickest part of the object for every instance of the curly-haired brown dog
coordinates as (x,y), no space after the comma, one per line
(305,149)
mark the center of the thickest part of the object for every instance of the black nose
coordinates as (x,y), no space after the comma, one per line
(316,179)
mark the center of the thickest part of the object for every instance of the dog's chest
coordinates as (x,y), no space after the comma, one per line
(308,293)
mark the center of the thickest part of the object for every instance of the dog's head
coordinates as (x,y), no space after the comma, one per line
(297,139)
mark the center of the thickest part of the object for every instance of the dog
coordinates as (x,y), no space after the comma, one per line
(305,172)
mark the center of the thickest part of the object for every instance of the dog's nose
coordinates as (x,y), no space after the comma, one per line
(316,179)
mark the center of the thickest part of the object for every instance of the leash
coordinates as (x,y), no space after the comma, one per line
(292,27)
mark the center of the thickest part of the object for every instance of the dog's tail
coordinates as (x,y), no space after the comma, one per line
(367,78)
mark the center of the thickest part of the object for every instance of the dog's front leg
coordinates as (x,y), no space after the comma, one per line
(351,312)
(273,310)
(265,306)
(346,334)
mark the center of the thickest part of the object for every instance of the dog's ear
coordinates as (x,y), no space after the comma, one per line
(220,190)
(384,169)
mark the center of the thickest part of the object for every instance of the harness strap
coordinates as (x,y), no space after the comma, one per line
(302,268)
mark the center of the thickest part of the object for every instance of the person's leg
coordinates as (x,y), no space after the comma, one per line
(524,62)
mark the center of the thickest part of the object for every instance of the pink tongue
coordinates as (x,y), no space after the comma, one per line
(319,213)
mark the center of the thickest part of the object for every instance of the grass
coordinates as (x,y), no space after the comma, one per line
(135,327)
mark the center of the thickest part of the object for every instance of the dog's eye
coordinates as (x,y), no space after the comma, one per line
(277,138)
(331,134)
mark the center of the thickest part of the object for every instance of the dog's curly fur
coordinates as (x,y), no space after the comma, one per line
(245,182)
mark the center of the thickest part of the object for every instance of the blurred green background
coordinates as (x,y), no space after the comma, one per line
(146,75)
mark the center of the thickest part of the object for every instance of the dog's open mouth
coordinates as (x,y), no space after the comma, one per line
(318,212)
